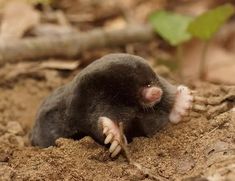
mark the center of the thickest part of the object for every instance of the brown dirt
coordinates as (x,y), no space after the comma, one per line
(197,148)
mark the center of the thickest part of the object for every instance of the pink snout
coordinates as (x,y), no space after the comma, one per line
(152,94)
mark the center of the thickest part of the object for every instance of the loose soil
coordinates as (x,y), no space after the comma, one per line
(197,148)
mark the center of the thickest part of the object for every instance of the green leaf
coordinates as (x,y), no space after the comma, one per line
(207,24)
(171,26)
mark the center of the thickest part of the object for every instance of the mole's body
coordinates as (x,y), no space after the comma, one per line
(115,88)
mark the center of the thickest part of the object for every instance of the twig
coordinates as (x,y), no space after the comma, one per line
(179,56)
(146,172)
(124,147)
(202,66)
(72,45)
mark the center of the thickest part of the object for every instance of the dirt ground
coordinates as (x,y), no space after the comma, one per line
(191,150)
(198,149)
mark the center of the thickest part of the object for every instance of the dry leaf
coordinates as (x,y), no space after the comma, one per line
(22,68)
(116,23)
(220,62)
(60,65)
(18,17)
(35,69)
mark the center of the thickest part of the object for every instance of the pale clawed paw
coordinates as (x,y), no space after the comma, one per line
(187,102)
(113,135)
(183,104)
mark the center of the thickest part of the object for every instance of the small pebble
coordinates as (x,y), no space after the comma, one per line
(14,128)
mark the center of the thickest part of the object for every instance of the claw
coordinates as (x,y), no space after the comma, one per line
(183,104)
(193,92)
(199,99)
(190,98)
(105,130)
(108,138)
(116,151)
(188,105)
(181,112)
(113,146)
(124,140)
(113,135)
(198,107)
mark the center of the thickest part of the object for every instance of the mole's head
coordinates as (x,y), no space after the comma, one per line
(140,81)
(126,79)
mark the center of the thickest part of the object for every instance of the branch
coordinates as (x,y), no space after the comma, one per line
(69,46)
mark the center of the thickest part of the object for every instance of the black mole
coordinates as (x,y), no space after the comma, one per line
(115,88)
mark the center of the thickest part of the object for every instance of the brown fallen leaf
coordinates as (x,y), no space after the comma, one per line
(116,23)
(219,62)
(23,68)
(218,146)
(34,69)
(18,17)
(60,65)
(223,74)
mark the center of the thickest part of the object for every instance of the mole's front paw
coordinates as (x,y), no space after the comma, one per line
(183,104)
(113,135)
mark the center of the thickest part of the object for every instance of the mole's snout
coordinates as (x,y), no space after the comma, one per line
(151,95)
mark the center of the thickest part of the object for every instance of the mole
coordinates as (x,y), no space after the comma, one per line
(115,88)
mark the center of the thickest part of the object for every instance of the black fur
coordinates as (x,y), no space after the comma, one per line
(109,87)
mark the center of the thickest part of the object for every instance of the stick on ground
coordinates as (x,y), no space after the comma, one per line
(69,46)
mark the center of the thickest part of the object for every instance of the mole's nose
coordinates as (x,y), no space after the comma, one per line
(152,94)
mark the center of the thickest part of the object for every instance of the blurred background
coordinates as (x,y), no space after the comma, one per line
(53,20)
